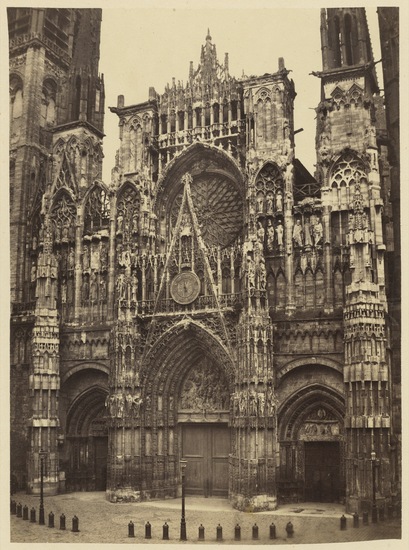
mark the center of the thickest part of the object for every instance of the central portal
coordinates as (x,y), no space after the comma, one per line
(206,448)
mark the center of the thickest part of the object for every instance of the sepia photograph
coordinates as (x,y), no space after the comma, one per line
(204,273)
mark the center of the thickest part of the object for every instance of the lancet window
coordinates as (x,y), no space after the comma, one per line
(62,217)
(347,171)
(96,214)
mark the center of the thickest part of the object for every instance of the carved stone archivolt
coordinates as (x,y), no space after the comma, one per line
(205,388)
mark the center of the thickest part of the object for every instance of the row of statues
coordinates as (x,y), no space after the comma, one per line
(119,405)
(269,203)
(309,234)
(254,403)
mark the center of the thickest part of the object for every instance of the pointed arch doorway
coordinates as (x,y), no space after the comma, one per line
(87,442)
(203,414)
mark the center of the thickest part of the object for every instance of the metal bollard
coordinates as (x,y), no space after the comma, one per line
(290,529)
(148,530)
(33,515)
(19,509)
(75,524)
(131,529)
(201,532)
(365,518)
(343,522)
(12,506)
(50,519)
(272,531)
(219,532)
(62,522)
(237,532)
(356,519)
(255,532)
(25,511)
(165,535)
(390,511)
(381,513)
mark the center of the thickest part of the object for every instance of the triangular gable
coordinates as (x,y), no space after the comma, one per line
(64,176)
(186,225)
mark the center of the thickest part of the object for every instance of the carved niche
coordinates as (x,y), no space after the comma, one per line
(205,388)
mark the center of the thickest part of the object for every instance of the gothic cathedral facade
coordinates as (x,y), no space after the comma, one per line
(214,301)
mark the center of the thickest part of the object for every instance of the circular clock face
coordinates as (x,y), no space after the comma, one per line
(185,287)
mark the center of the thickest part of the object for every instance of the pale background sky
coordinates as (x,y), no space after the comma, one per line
(143,47)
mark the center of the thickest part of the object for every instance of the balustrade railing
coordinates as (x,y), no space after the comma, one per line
(225,301)
(217,130)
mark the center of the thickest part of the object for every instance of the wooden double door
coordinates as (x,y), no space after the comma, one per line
(206,448)
(322,471)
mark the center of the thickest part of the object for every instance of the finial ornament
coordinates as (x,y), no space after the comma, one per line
(187,179)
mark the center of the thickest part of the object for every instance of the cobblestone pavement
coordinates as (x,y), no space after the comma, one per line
(103,522)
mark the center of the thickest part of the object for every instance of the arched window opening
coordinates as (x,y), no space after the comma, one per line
(96,215)
(181,116)
(337,42)
(348,39)
(48,97)
(216,113)
(234,110)
(16,97)
(207,115)
(77,101)
(172,121)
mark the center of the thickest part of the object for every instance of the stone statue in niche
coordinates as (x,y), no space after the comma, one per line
(262,274)
(71,258)
(85,258)
(307,232)
(134,288)
(33,272)
(121,287)
(279,201)
(318,232)
(269,203)
(119,223)
(260,234)
(251,273)
(205,389)
(298,234)
(280,234)
(85,289)
(104,258)
(64,291)
(270,235)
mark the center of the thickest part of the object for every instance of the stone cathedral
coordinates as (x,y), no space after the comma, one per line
(214,301)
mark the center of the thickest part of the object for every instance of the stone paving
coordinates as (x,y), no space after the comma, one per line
(103,522)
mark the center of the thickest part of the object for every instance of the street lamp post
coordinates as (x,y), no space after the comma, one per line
(41,519)
(374,507)
(183,464)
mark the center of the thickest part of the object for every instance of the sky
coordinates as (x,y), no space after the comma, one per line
(143,47)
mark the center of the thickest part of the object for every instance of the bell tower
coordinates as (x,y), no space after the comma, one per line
(348,172)
(56,130)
